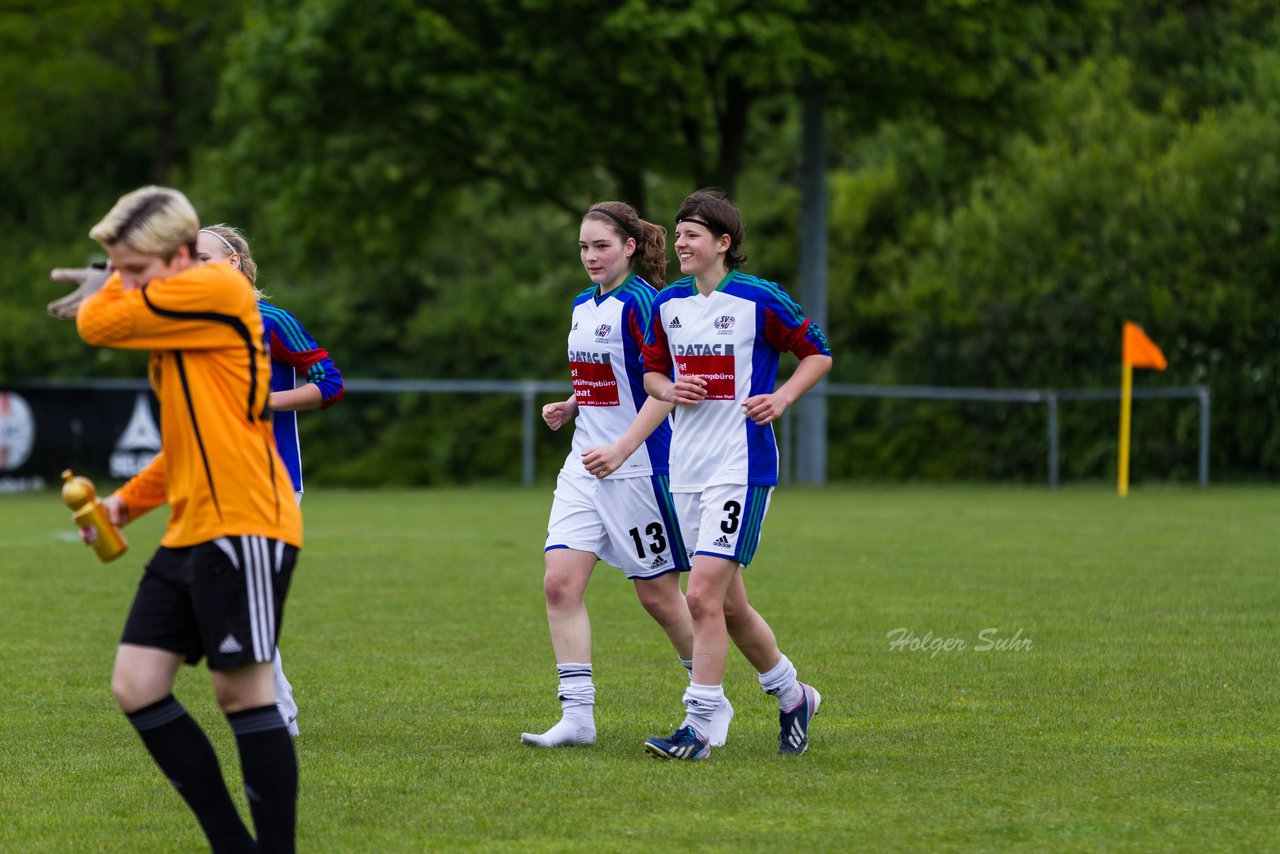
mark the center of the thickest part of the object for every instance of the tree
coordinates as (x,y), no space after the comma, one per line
(103,97)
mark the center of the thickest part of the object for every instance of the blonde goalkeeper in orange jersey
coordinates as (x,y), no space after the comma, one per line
(216,586)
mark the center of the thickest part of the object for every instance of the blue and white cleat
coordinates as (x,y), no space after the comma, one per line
(794,735)
(684,743)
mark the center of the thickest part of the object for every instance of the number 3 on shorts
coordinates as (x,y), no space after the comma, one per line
(733,512)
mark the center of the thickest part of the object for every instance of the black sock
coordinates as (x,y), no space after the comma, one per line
(270,775)
(186,757)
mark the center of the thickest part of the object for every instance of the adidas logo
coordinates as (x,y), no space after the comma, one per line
(674,324)
(722,543)
(797,735)
(658,561)
(230,646)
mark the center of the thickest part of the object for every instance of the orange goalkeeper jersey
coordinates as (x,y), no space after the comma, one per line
(218,467)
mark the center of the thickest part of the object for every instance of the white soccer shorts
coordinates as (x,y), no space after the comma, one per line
(724,520)
(627,522)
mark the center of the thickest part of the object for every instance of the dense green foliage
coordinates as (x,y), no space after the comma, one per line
(1009,181)
(1143,716)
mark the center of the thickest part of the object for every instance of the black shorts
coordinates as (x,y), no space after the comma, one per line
(223,600)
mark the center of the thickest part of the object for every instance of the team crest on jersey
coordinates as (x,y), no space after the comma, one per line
(724,323)
(602,331)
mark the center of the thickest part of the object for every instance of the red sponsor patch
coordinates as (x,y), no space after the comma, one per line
(594,383)
(717,369)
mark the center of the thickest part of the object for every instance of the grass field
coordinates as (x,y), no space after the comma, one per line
(1136,709)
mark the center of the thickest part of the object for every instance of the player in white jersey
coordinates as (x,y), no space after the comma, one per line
(713,351)
(612,501)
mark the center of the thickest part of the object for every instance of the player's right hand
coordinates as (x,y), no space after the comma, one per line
(117,513)
(87,281)
(559,413)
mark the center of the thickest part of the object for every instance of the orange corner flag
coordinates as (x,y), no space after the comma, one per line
(1139,350)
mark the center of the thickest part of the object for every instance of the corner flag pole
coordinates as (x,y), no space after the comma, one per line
(1126,419)
(1137,351)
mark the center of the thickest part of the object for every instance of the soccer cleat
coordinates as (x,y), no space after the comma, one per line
(793,737)
(684,743)
(718,732)
(564,734)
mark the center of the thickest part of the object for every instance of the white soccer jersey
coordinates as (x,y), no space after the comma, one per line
(732,337)
(605,339)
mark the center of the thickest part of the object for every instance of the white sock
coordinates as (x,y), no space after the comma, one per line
(718,728)
(701,702)
(577,695)
(576,692)
(284,695)
(781,683)
(566,733)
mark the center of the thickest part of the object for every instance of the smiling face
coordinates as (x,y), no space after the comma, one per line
(605,256)
(701,254)
(137,268)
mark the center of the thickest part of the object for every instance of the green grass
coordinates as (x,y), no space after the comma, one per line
(1144,715)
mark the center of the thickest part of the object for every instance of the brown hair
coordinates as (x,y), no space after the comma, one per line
(651,240)
(712,209)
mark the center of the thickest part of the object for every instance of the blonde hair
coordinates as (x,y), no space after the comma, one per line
(235,241)
(151,220)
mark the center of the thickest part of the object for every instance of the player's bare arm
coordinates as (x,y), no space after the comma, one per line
(304,397)
(766,408)
(604,460)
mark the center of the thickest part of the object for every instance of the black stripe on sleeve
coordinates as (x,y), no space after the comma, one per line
(237,325)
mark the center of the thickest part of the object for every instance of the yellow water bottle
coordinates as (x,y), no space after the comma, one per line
(78,494)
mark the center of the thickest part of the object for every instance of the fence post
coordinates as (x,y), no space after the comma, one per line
(786,449)
(526,439)
(1204,437)
(810,465)
(1051,399)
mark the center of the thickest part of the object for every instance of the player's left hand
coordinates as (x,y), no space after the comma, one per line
(604,460)
(87,281)
(765,408)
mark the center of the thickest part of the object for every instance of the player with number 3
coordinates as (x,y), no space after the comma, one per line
(713,351)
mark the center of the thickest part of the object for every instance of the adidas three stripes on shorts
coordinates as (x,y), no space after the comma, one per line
(221,600)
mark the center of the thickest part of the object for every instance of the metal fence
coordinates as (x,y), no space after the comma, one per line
(528,391)
(1050,398)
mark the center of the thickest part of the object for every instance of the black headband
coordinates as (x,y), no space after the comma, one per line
(702,222)
(616,219)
